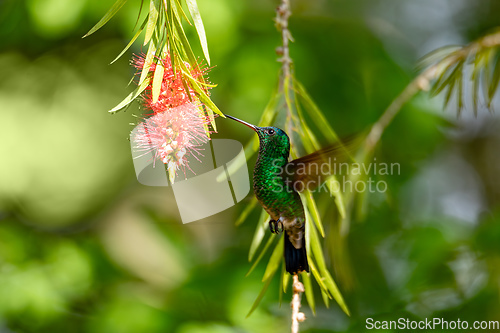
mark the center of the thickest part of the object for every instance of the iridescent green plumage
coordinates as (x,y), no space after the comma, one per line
(277,197)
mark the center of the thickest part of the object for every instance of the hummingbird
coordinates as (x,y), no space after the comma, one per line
(277,183)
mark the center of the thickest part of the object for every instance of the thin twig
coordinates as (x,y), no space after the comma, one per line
(283,13)
(297,316)
(423,82)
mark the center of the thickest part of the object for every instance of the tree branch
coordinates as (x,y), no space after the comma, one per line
(297,316)
(423,82)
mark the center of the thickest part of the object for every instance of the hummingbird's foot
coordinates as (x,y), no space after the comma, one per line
(276,227)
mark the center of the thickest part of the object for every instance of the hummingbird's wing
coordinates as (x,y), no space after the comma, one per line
(308,172)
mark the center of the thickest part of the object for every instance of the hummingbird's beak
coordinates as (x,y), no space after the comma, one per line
(243,122)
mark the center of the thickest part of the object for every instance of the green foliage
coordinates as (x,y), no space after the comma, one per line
(70,204)
(295,97)
(165,35)
(477,64)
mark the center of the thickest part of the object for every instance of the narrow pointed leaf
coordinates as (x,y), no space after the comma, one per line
(475,94)
(198,23)
(335,292)
(262,253)
(307,227)
(157,81)
(147,62)
(313,210)
(131,97)
(280,289)
(334,188)
(137,34)
(326,300)
(315,113)
(258,236)
(275,260)
(248,209)
(181,35)
(153,17)
(179,7)
(447,78)
(286,281)
(308,290)
(261,295)
(436,56)
(460,97)
(318,277)
(316,249)
(111,12)
(495,78)
(449,92)
(139,15)
(204,98)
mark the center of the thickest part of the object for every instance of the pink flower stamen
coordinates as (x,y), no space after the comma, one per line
(177,126)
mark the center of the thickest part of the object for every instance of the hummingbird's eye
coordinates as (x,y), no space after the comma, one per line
(270,131)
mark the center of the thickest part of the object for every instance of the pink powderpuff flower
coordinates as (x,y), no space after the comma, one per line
(173,135)
(172,92)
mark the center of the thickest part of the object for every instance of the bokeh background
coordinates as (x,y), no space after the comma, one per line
(85,248)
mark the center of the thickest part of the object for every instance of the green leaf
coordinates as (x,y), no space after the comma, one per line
(275,260)
(139,15)
(475,95)
(450,86)
(286,281)
(307,233)
(436,56)
(308,290)
(157,81)
(316,249)
(460,92)
(335,292)
(307,136)
(258,235)
(316,114)
(313,209)
(495,78)
(153,17)
(280,290)
(130,98)
(333,186)
(111,12)
(262,253)
(446,78)
(244,214)
(261,295)
(318,277)
(326,300)
(132,40)
(147,62)
(181,36)
(203,97)
(179,7)
(198,23)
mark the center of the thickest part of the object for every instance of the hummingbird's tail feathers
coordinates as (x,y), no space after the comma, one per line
(295,259)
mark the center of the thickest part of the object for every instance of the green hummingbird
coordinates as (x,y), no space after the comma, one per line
(277,183)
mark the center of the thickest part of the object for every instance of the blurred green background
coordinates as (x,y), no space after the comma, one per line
(85,248)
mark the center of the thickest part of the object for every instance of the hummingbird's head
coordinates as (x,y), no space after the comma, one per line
(270,137)
(273,136)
